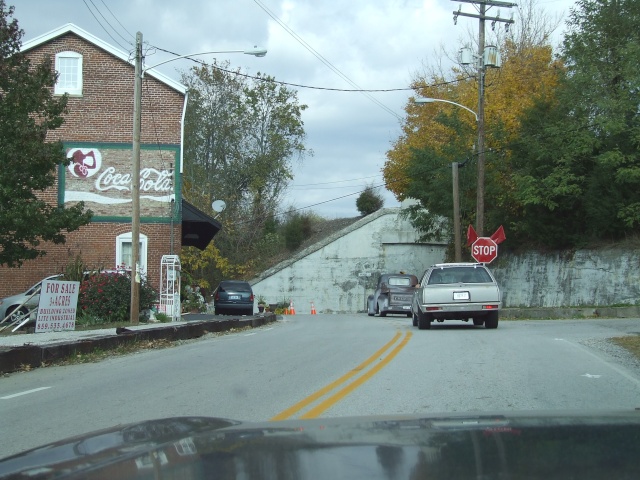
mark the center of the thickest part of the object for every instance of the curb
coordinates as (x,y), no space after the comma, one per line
(13,359)
(566,313)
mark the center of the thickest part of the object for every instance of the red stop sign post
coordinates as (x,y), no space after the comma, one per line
(484,250)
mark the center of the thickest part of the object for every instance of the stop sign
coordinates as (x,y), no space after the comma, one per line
(484,250)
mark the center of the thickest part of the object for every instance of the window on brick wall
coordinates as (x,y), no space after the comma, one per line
(123,251)
(69,68)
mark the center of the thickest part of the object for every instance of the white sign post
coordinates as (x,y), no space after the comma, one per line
(58,306)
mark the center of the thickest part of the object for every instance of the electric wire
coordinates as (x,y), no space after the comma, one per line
(116,18)
(103,27)
(324,60)
(311,87)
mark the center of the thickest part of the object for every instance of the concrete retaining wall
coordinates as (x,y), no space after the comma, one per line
(604,277)
(339,273)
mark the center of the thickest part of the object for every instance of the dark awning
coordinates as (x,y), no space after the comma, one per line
(198,228)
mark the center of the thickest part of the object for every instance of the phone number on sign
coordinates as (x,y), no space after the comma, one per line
(44,326)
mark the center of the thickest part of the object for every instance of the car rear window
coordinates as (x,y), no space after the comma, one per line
(236,286)
(459,275)
(400,281)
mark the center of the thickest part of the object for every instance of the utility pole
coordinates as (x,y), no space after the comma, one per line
(456,213)
(482,17)
(135,186)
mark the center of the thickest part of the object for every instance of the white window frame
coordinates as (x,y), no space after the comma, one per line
(126,238)
(61,89)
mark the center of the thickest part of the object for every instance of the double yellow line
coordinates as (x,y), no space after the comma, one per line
(339,395)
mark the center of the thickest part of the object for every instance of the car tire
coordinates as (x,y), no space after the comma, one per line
(15,313)
(382,313)
(415,319)
(478,321)
(491,320)
(424,321)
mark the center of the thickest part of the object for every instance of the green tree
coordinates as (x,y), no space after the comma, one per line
(241,136)
(435,135)
(28,110)
(369,201)
(577,173)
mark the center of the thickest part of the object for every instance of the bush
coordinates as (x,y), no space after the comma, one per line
(296,230)
(369,201)
(194,300)
(108,296)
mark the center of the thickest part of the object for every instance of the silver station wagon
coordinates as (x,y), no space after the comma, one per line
(457,291)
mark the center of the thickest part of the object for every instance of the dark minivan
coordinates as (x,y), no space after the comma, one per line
(233,297)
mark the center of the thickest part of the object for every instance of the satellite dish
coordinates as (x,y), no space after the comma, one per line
(218,206)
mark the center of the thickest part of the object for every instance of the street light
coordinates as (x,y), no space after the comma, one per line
(454,176)
(135,170)
(422,100)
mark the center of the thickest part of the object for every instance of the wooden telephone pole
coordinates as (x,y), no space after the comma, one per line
(135,186)
(482,64)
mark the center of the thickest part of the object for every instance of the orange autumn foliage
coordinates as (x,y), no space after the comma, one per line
(526,73)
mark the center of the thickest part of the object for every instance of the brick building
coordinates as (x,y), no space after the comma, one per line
(97,135)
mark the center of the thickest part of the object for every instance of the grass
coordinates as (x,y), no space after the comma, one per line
(631,343)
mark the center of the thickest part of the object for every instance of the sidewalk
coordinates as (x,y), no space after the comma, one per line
(21,350)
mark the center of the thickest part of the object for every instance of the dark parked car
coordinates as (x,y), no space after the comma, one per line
(233,296)
(393,294)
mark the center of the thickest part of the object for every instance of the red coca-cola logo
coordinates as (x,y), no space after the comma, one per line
(85,162)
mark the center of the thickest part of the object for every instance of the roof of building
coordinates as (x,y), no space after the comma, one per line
(71,28)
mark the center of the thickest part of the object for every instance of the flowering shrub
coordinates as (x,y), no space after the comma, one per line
(194,300)
(108,296)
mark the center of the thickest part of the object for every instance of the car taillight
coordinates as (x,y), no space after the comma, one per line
(431,309)
(490,307)
(251,297)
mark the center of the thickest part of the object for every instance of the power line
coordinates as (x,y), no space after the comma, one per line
(123,27)
(107,22)
(311,87)
(337,181)
(326,62)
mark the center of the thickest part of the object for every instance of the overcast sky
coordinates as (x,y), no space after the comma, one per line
(375,44)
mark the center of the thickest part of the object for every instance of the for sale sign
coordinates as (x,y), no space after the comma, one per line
(58,306)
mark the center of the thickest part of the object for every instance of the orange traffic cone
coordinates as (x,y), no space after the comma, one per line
(292,311)
(313,309)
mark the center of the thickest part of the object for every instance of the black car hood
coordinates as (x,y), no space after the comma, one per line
(594,445)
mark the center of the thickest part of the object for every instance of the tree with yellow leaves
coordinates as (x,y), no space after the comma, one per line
(436,134)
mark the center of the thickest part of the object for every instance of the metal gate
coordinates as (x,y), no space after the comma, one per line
(170,287)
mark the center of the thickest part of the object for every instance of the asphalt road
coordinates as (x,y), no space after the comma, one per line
(326,366)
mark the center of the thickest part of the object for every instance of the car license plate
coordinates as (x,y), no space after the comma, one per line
(406,307)
(461,295)
(234,297)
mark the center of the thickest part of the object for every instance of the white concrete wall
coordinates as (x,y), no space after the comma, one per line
(339,273)
(604,277)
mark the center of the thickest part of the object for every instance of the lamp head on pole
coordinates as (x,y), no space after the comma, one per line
(256,52)
(422,100)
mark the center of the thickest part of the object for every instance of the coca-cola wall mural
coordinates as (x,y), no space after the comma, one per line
(100,176)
